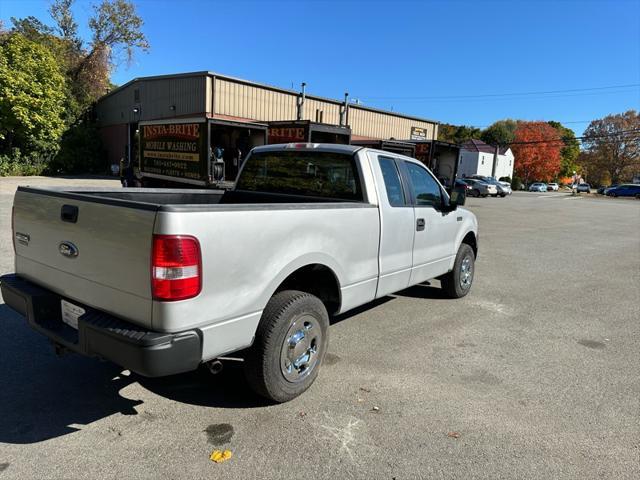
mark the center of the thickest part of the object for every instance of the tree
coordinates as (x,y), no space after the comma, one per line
(31,97)
(457,133)
(612,145)
(569,152)
(501,132)
(537,151)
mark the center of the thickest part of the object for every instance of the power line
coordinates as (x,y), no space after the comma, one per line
(623,133)
(587,91)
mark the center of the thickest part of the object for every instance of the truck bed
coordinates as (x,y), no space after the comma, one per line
(246,235)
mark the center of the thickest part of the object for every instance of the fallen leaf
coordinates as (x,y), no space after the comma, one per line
(365,389)
(375,409)
(453,435)
(220,456)
(302,414)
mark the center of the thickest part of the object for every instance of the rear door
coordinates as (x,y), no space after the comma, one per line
(435,231)
(91,250)
(396,225)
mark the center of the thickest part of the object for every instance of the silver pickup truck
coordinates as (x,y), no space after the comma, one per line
(162,281)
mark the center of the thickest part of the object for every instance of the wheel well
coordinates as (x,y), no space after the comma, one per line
(318,280)
(470,239)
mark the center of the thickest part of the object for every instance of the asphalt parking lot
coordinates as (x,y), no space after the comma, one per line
(533,375)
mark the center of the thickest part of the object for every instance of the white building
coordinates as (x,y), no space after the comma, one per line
(476,158)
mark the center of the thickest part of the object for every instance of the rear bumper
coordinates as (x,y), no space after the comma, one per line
(149,353)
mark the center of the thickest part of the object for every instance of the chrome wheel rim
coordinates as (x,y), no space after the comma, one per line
(466,272)
(300,349)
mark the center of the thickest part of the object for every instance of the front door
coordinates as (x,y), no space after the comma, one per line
(435,231)
(396,224)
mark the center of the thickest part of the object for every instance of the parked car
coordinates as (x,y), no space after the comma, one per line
(462,184)
(605,188)
(502,190)
(584,187)
(161,281)
(553,187)
(480,188)
(625,190)
(538,187)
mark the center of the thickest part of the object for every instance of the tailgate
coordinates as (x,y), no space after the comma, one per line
(89,249)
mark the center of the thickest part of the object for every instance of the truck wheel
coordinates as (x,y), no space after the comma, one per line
(289,347)
(457,283)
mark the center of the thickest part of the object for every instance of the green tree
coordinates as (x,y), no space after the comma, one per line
(502,132)
(31,97)
(612,147)
(457,133)
(569,152)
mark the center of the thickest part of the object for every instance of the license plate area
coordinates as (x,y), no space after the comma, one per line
(70,313)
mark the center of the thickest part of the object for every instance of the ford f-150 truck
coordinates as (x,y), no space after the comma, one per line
(161,281)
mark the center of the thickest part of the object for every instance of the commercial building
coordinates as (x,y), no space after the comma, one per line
(209,95)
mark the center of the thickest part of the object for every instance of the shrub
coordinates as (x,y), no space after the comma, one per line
(16,164)
(81,151)
(516,183)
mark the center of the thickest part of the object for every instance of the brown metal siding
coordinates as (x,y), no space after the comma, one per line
(247,101)
(367,123)
(187,94)
(198,94)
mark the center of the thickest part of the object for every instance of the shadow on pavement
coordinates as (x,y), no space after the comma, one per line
(42,396)
(423,290)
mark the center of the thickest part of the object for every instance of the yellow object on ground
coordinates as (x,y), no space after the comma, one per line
(219,456)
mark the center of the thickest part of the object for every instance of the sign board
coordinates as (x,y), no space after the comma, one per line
(174,149)
(278,134)
(422,152)
(418,133)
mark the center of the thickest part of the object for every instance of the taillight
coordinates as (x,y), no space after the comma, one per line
(176,267)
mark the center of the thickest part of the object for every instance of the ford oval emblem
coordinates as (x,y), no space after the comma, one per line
(68,249)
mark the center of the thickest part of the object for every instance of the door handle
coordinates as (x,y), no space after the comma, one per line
(420,224)
(69,213)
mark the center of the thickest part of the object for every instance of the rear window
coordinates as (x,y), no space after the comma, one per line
(309,173)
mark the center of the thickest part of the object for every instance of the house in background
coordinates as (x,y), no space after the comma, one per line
(476,158)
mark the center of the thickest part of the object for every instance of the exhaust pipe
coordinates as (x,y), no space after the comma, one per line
(215,366)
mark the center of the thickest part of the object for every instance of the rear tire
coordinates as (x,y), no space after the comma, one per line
(457,283)
(289,347)
(476,193)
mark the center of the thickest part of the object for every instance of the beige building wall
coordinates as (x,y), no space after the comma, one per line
(204,93)
(236,99)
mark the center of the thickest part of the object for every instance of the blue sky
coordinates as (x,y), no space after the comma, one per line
(412,57)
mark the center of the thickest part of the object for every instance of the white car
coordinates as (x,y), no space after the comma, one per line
(584,187)
(538,187)
(553,187)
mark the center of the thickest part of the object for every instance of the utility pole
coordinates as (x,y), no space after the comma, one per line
(495,160)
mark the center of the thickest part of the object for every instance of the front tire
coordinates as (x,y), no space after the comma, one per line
(289,347)
(457,283)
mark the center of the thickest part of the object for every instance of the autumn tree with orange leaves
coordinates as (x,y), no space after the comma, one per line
(536,149)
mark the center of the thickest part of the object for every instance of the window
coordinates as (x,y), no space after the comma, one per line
(426,190)
(316,174)
(392,183)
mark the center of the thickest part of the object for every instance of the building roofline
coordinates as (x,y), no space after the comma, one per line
(263,85)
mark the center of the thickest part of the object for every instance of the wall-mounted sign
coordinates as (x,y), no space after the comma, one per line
(287,134)
(418,133)
(175,150)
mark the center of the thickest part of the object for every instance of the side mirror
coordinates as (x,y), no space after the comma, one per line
(457,197)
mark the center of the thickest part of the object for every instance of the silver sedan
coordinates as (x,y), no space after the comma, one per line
(480,188)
